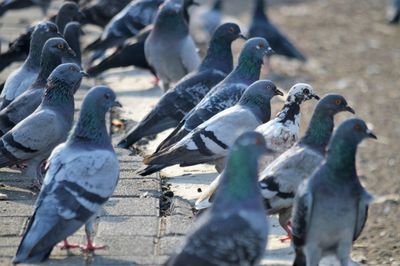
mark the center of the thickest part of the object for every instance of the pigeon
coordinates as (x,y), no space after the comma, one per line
(331,207)
(393,12)
(178,101)
(206,20)
(226,93)
(33,139)
(19,80)
(72,35)
(53,51)
(261,26)
(279,133)
(19,48)
(7,5)
(127,23)
(280,179)
(131,53)
(210,141)
(82,174)
(234,230)
(102,11)
(170,49)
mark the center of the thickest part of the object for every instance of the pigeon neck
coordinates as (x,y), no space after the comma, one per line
(290,111)
(58,93)
(172,25)
(61,21)
(319,131)
(219,56)
(91,127)
(72,38)
(239,186)
(258,104)
(48,64)
(259,10)
(341,156)
(247,71)
(35,52)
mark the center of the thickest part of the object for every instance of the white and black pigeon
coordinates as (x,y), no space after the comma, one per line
(170,49)
(331,207)
(82,173)
(188,92)
(54,51)
(127,23)
(205,21)
(23,77)
(32,140)
(279,133)
(234,230)
(226,93)
(210,141)
(280,179)
(7,5)
(261,26)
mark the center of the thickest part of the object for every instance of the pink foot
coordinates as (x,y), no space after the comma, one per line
(288,229)
(156,80)
(66,245)
(91,247)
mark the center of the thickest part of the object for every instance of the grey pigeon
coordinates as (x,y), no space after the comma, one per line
(127,23)
(261,26)
(72,34)
(82,173)
(206,20)
(7,5)
(226,93)
(188,92)
(69,11)
(33,139)
(234,230)
(393,12)
(53,52)
(280,179)
(170,49)
(279,133)
(102,11)
(209,142)
(20,79)
(331,207)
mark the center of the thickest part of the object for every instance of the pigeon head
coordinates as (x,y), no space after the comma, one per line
(228,32)
(170,20)
(320,129)
(239,184)
(69,11)
(301,92)
(254,50)
(72,34)
(57,47)
(343,146)
(91,126)
(258,98)
(168,9)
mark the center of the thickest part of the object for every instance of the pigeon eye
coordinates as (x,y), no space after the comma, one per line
(107,96)
(260,45)
(306,91)
(338,102)
(71,68)
(60,46)
(357,127)
(231,30)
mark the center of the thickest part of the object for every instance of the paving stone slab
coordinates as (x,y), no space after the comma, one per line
(16,208)
(128,226)
(126,245)
(12,226)
(131,174)
(169,244)
(131,206)
(136,188)
(178,224)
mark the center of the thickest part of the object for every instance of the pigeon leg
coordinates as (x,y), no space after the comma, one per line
(288,229)
(156,80)
(90,246)
(66,245)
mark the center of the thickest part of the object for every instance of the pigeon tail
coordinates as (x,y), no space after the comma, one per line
(150,169)
(173,138)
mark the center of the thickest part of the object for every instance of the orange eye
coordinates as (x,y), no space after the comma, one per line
(60,46)
(231,30)
(338,102)
(357,127)
(260,45)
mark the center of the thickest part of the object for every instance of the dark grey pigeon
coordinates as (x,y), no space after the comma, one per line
(33,139)
(234,230)
(261,26)
(20,80)
(226,93)
(127,23)
(7,5)
(72,34)
(100,12)
(210,141)
(69,11)
(188,92)
(393,12)
(53,52)
(170,49)
(280,179)
(82,174)
(331,207)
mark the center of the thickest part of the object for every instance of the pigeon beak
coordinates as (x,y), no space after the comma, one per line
(117,104)
(71,52)
(84,74)
(370,134)
(315,96)
(241,36)
(278,92)
(269,51)
(349,109)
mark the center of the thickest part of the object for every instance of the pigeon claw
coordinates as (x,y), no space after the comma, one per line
(90,247)
(66,245)
(288,229)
